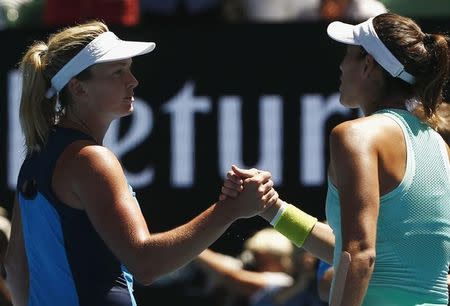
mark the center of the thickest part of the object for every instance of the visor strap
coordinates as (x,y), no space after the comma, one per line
(369,39)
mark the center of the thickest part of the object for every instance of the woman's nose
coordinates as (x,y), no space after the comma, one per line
(133,81)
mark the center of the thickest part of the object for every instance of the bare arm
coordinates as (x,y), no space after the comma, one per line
(324,284)
(234,278)
(355,164)
(16,264)
(320,241)
(102,189)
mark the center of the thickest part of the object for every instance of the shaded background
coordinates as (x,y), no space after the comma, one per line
(216,60)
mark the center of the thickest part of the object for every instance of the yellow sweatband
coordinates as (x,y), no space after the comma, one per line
(295,224)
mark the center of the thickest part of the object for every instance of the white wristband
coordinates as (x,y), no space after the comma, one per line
(279,212)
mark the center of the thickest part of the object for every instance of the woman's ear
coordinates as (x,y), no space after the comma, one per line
(369,66)
(76,88)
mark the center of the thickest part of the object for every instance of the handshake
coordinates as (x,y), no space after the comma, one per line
(250,192)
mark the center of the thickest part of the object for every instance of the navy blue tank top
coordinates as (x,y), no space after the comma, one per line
(68,262)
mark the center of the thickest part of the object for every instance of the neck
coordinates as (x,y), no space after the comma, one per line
(398,102)
(96,130)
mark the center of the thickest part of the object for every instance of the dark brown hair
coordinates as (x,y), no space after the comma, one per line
(425,56)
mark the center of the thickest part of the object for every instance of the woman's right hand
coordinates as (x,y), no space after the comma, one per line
(233,185)
(249,189)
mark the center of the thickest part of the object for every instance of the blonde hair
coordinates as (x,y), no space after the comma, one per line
(39,64)
(270,241)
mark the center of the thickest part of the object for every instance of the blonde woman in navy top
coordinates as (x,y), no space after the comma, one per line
(78,235)
(388,200)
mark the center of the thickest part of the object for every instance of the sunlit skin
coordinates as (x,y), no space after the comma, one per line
(89,177)
(112,88)
(351,68)
(367,160)
(363,85)
(107,95)
(97,185)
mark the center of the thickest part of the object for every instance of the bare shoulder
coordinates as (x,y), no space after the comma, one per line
(351,134)
(86,168)
(355,143)
(365,131)
(94,164)
(93,156)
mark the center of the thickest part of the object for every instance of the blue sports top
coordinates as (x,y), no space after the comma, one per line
(413,228)
(68,262)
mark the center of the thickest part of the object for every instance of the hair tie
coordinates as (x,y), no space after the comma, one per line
(44,50)
(428,39)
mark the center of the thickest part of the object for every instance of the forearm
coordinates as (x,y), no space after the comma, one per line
(357,279)
(167,251)
(320,240)
(217,262)
(324,285)
(230,273)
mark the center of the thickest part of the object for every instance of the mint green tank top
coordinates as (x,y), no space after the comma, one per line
(413,228)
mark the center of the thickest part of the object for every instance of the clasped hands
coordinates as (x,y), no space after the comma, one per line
(252,189)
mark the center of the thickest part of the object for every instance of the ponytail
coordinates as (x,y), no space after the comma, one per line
(37,113)
(426,57)
(439,119)
(432,108)
(433,82)
(40,63)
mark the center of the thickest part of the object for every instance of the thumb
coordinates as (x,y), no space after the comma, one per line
(244,173)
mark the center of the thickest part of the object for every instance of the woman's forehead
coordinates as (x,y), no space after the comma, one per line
(353,48)
(114,64)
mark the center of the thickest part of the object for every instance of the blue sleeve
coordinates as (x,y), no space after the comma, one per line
(322,267)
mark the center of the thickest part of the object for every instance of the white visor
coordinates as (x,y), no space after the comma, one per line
(364,35)
(106,47)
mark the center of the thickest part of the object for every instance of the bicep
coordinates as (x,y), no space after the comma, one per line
(102,188)
(355,162)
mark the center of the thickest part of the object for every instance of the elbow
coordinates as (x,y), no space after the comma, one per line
(144,268)
(368,256)
(363,261)
(148,272)
(140,269)
(143,280)
(143,276)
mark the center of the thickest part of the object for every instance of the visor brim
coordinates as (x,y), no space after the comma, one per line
(342,32)
(127,49)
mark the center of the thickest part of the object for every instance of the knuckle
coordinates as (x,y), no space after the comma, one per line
(251,181)
(259,178)
(266,174)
